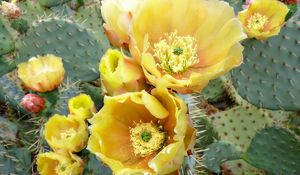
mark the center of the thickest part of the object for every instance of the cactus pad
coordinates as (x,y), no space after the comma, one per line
(269,77)
(218,153)
(6,41)
(275,150)
(51,3)
(79,50)
(239,124)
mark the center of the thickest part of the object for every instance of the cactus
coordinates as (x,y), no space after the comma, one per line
(6,42)
(276,150)
(239,124)
(11,93)
(15,161)
(219,152)
(78,48)
(32,11)
(269,77)
(95,93)
(51,3)
(8,131)
(66,91)
(6,65)
(95,167)
(215,90)
(90,17)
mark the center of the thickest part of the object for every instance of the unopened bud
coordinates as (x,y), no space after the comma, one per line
(33,103)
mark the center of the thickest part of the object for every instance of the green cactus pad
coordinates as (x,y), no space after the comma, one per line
(32,10)
(214,91)
(269,77)
(90,16)
(15,161)
(11,93)
(239,124)
(79,50)
(6,65)
(240,167)
(51,3)
(276,150)
(92,166)
(6,41)
(219,152)
(66,91)
(8,130)
(236,4)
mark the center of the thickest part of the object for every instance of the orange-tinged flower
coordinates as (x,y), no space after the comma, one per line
(263,18)
(120,74)
(189,43)
(52,163)
(142,133)
(117,15)
(68,134)
(82,106)
(42,73)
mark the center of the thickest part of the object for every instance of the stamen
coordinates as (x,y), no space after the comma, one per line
(146,138)
(175,54)
(257,22)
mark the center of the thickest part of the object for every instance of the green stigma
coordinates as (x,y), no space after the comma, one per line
(177,51)
(146,136)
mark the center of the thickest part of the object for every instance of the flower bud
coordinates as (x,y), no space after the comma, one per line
(120,74)
(33,103)
(10,10)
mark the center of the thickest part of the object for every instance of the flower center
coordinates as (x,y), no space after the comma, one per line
(175,54)
(68,133)
(257,22)
(60,169)
(146,138)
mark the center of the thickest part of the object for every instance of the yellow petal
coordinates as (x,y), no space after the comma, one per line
(168,159)
(154,106)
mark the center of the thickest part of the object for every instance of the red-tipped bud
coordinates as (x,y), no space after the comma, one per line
(10,10)
(33,103)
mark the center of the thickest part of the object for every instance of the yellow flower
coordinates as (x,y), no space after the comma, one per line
(120,74)
(117,15)
(42,73)
(182,44)
(140,133)
(52,163)
(82,106)
(263,18)
(66,133)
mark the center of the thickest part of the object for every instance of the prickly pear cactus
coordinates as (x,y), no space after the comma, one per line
(269,77)
(246,122)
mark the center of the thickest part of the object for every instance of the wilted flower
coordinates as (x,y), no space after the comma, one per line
(68,134)
(33,103)
(117,15)
(42,73)
(52,163)
(120,74)
(182,44)
(82,106)
(10,9)
(142,133)
(263,18)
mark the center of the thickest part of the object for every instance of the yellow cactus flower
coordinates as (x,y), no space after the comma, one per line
(52,163)
(117,15)
(42,73)
(66,133)
(142,133)
(182,44)
(82,106)
(263,18)
(120,74)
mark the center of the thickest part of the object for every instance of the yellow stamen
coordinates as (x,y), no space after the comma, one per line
(146,138)
(257,22)
(175,54)
(68,133)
